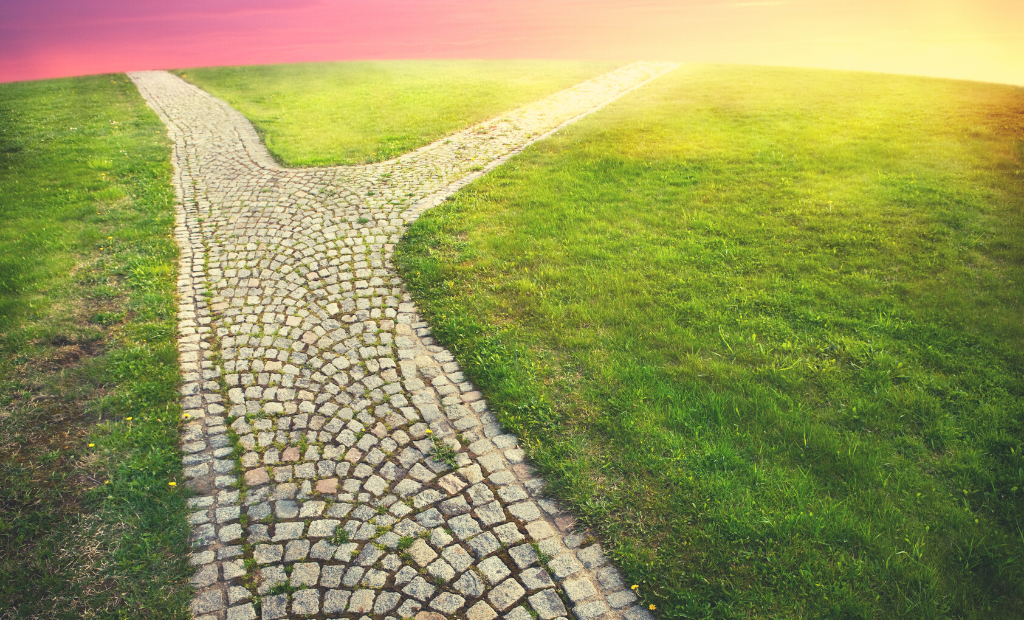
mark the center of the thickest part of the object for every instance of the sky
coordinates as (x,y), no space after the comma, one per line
(970,39)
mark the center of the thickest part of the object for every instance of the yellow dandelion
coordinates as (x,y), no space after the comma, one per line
(106,482)
(634,587)
(430,432)
(172,483)
(652,608)
(129,418)
(92,445)
(186,415)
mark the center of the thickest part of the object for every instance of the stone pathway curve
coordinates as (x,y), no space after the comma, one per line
(297,338)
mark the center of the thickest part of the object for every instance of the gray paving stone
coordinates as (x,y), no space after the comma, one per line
(233,569)
(457,557)
(523,556)
(579,589)
(501,478)
(386,601)
(470,584)
(346,552)
(618,600)
(288,531)
(525,511)
(540,530)
(518,613)
(440,538)
(306,602)
(564,566)
(490,514)
(305,574)
(447,603)
(361,602)
(484,544)
(330,576)
(425,498)
(536,578)
(492,462)
(336,601)
(205,576)
(590,611)
(512,493)
(455,506)
(493,569)
(274,607)
(322,528)
(353,576)
(208,601)
(323,550)
(405,575)
(505,595)
(421,553)
(547,604)
(419,589)
(408,608)
(238,594)
(592,557)
(368,556)
(508,534)
(374,578)
(269,577)
(464,527)
(439,569)
(267,554)
(242,612)
(296,550)
(481,611)
(637,613)
(481,494)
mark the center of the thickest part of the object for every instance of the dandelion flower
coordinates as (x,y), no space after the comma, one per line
(430,432)
(106,482)
(186,415)
(652,608)
(634,587)
(129,418)
(92,445)
(172,483)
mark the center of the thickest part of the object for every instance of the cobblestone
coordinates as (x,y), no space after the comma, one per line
(547,604)
(287,274)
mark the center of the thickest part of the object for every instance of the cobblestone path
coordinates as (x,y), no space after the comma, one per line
(297,336)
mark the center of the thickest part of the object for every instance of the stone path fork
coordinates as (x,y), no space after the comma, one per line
(298,340)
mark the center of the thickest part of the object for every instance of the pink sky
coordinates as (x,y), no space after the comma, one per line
(972,39)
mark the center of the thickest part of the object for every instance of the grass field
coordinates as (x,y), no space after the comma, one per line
(320,114)
(763,329)
(89,525)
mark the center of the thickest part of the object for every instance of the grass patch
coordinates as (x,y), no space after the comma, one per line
(318,114)
(763,330)
(89,525)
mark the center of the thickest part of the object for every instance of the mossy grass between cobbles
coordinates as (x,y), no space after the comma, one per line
(762,329)
(92,511)
(317,114)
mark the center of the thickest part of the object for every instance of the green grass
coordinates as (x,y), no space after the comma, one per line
(320,114)
(763,329)
(89,526)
